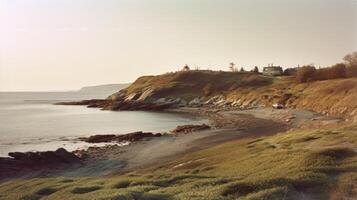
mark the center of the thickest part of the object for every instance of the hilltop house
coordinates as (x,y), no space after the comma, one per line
(273,70)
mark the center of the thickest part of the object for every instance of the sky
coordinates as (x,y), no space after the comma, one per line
(67,44)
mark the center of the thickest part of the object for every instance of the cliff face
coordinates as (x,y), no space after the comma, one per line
(235,90)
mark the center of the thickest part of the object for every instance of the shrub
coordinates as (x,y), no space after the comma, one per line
(351,59)
(351,63)
(46,191)
(338,71)
(305,74)
(254,80)
(333,72)
(351,71)
(83,190)
(290,71)
(256,70)
(310,73)
(122,184)
(31,197)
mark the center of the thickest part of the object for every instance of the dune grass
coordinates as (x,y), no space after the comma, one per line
(315,164)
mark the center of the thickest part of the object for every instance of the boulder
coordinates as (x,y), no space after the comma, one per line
(17,155)
(176,101)
(135,136)
(161,101)
(190,128)
(183,102)
(130,137)
(29,162)
(47,157)
(99,138)
(195,101)
(278,106)
(66,156)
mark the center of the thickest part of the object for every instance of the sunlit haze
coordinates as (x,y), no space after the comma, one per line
(67,44)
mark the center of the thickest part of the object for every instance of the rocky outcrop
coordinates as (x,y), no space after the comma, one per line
(136,105)
(106,104)
(93,103)
(46,158)
(130,137)
(225,90)
(19,162)
(190,128)
(191,88)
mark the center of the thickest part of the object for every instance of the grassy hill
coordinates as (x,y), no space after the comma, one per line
(334,97)
(190,84)
(244,89)
(311,164)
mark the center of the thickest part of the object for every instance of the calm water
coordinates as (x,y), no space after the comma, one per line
(29,121)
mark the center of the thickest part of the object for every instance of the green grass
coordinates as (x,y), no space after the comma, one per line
(84,190)
(315,164)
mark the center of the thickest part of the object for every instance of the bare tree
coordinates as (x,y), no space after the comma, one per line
(351,63)
(351,59)
(186,68)
(256,70)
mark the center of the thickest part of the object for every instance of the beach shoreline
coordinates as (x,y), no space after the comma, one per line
(227,125)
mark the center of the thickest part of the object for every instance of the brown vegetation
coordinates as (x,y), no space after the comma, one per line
(310,73)
(305,74)
(339,70)
(351,62)
(192,84)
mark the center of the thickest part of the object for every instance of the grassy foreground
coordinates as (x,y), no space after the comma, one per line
(296,165)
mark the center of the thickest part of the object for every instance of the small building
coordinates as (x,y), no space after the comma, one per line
(273,70)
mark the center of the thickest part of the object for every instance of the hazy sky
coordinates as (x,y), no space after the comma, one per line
(67,44)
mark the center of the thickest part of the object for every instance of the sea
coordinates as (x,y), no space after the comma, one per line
(29,121)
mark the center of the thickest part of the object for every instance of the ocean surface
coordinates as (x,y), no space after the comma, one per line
(30,122)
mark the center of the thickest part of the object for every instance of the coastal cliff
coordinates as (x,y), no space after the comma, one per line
(251,151)
(232,90)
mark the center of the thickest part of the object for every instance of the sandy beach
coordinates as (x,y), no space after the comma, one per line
(226,125)
(229,126)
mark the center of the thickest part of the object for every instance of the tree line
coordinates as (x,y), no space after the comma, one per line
(346,69)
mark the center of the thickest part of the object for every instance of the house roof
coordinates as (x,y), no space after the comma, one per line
(273,67)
